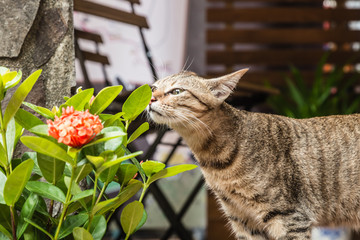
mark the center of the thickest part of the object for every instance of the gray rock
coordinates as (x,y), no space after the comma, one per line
(16,19)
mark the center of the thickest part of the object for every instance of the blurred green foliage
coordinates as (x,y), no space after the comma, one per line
(328,93)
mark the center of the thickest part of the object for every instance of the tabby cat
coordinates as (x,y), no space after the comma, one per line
(275,177)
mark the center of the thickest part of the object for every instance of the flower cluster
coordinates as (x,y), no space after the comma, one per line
(74,128)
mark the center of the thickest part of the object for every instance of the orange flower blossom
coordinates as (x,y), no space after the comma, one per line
(74,128)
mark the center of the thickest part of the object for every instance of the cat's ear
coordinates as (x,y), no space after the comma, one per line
(222,87)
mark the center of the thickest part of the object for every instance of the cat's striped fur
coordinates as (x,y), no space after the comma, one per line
(275,177)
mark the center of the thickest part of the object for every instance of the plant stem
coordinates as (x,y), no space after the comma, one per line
(13,222)
(95,188)
(3,135)
(110,214)
(143,192)
(51,208)
(127,123)
(67,202)
(101,193)
(91,215)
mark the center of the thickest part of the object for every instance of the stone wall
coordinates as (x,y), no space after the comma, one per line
(38,34)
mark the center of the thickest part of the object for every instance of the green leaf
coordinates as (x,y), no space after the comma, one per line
(3,70)
(140,130)
(46,147)
(80,233)
(3,158)
(2,185)
(104,98)
(41,110)
(131,216)
(295,93)
(79,100)
(39,227)
(105,137)
(82,195)
(108,175)
(27,211)
(136,102)
(82,171)
(19,96)
(109,121)
(5,217)
(16,182)
(152,167)
(72,222)
(26,119)
(5,232)
(51,168)
(10,138)
(353,106)
(9,76)
(109,164)
(136,163)
(97,161)
(130,190)
(142,222)
(76,205)
(171,171)
(125,173)
(46,190)
(12,83)
(77,192)
(98,227)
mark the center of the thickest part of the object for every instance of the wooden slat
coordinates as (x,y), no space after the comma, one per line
(275,78)
(110,13)
(95,57)
(291,1)
(295,36)
(278,57)
(254,87)
(281,15)
(88,36)
(134,1)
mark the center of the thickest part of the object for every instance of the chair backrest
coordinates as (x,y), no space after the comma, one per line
(83,55)
(111,13)
(103,11)
(270,35)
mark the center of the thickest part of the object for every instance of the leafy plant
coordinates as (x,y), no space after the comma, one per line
(328,94)
(78,141)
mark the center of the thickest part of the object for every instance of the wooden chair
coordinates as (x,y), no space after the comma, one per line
(97,57)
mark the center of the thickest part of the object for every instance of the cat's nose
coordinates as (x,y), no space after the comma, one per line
(153,99)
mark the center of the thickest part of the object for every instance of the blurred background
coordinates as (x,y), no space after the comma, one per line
(303,57)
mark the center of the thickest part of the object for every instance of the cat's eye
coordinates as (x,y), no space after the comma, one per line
(176,91)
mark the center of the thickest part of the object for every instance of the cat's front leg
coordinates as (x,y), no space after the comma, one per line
(288,225)
(243,232)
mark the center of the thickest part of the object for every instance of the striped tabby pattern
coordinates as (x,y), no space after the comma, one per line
(275,177)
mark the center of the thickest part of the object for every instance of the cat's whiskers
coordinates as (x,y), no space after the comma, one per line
(198,121)
(188,120)
(184,66)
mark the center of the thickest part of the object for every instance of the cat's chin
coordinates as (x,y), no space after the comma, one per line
(158,118)
(163,120)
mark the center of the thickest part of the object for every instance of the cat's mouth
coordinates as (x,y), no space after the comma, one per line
(155,115)
(151,110)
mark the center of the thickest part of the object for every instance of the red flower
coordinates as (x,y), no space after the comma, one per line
(74,128)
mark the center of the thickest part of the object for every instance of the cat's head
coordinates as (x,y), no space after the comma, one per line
(184,98)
